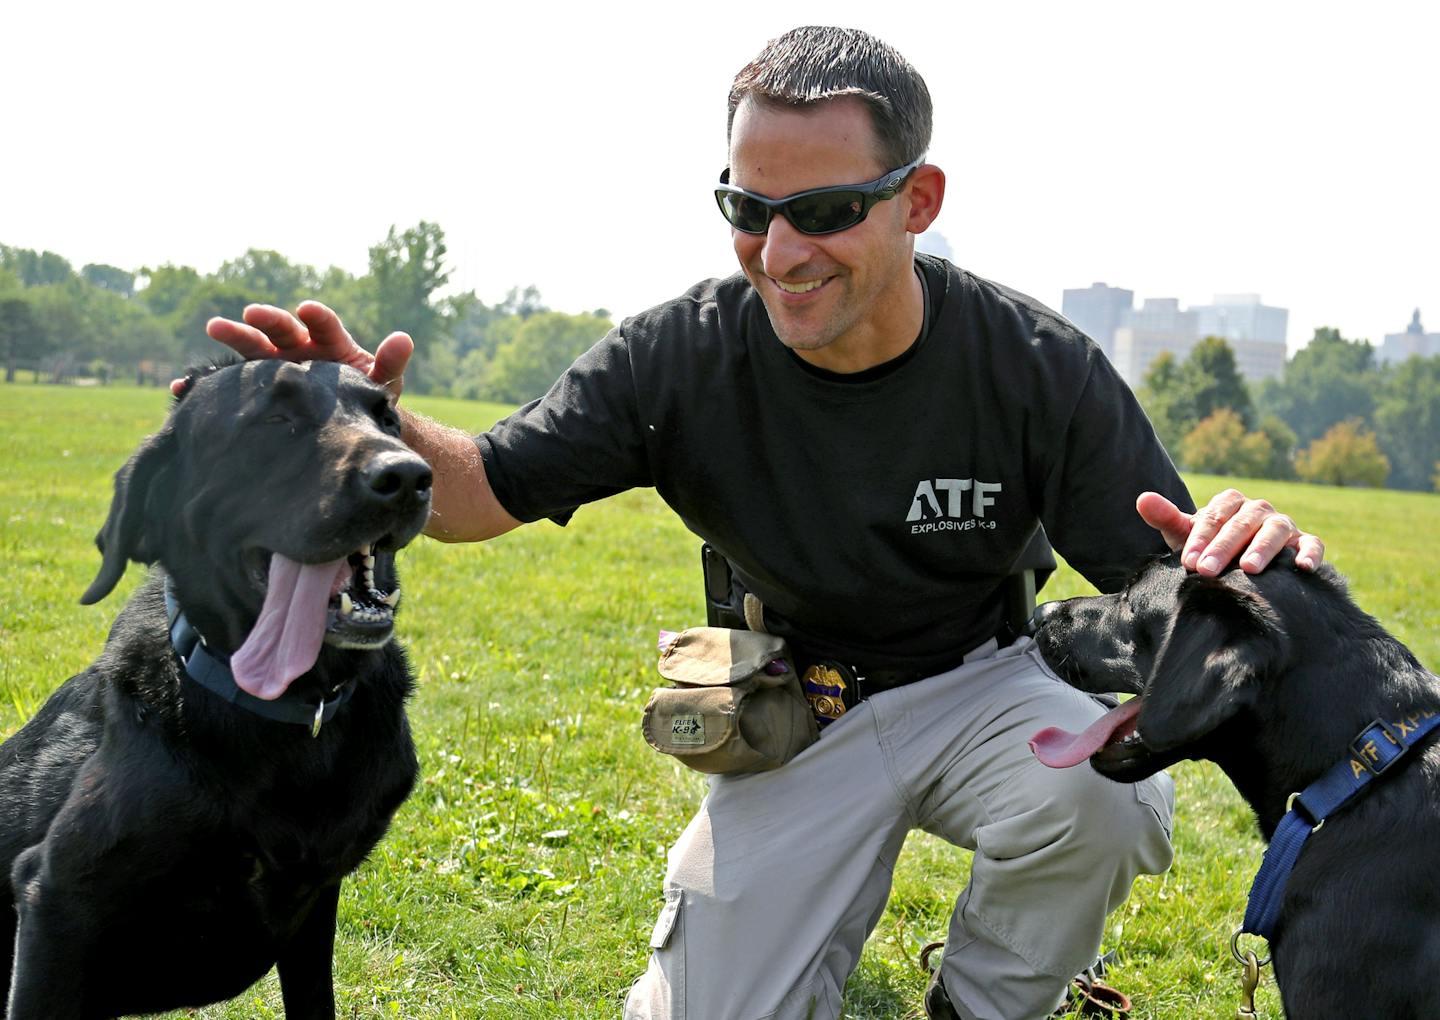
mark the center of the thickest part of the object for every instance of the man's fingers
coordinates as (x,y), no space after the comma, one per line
(329,335)
(1309,551)
(1275,533)
(282,329)
(242,338)
(1208,522)
(1165,517)
(391,357)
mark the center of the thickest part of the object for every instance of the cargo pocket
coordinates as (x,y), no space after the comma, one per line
(659,993)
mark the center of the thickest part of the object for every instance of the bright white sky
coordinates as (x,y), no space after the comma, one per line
(1178,150)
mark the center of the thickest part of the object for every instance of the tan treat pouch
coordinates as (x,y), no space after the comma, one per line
(736,705)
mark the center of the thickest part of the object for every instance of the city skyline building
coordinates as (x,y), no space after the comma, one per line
(1411,343)
(1098,310)
(1132,338)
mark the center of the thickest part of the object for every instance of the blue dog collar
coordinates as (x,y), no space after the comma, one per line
(211,670)
(1372,754)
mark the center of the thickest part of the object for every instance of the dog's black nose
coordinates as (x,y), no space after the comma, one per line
(396,477)
(1043,611)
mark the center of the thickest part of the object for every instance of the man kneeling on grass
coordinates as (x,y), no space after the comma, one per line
(869,437)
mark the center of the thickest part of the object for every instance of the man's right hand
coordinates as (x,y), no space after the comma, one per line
(314,332)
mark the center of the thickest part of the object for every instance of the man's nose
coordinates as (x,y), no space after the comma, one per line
(785,248)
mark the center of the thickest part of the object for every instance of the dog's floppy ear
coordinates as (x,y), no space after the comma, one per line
(124,536)
(1221,642)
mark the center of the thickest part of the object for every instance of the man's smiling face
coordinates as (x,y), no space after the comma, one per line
(843,301)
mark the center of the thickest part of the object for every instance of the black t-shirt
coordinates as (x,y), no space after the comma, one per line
(874,514)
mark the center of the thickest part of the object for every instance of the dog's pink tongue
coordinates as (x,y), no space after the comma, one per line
(1061,749)
(291,627)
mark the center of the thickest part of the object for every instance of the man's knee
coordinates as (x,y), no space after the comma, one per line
(1127,819)
(1077,813)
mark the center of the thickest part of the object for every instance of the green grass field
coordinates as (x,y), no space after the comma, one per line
(523,876)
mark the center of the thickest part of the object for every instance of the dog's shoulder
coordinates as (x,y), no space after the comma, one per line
(137,661)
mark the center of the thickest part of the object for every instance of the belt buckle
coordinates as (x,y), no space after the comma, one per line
(831,688)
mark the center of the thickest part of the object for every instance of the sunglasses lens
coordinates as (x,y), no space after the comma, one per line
(744,214)
(827,212)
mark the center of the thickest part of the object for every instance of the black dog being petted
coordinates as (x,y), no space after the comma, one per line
(177,819)
(1280,679)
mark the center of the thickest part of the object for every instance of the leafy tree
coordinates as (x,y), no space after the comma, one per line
(123,332)
(1212,381)
(544,345)
(1407,421)
(67,336)
(117,281)
(1162,396)
(1281,440)
(209,299)
(1178,395)
(523,303)
(1330,380)
(1220,445)
(469,322)
(22,338)
(405,270)
(271,277)
(1346,455)
(167,287)
(36,269)
(351,297)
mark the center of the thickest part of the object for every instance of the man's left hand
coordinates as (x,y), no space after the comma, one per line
(1210,539)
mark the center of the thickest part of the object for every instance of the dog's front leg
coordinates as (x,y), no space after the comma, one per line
(306,984)
(48,982)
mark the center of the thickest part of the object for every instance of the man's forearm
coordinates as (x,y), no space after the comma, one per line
(463,506)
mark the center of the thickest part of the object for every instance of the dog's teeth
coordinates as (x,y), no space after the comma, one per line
(346,605)
(369,561)
(365,550)
(392,600)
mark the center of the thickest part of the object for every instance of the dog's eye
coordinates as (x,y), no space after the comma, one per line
(276,419)
(387,417)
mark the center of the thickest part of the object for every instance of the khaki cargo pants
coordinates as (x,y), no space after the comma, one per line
(775,884)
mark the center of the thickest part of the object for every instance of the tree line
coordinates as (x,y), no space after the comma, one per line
(102,322)
(1334,416)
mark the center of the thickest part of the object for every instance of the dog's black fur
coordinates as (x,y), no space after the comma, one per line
(1271,676)
(166,848)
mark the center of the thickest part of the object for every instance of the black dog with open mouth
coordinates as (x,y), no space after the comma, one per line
(1272,676)
(177,819)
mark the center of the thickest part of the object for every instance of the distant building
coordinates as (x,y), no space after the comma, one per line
(1255,332)
(1157,326)
(1414,341)
(1135,337)
(1099,311)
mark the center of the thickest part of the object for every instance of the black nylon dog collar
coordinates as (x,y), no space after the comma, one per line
(211,671)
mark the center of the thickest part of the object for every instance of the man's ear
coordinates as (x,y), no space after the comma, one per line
(130,529)
(926,189)
(1221,644)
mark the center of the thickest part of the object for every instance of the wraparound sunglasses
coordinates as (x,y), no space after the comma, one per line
(818,211)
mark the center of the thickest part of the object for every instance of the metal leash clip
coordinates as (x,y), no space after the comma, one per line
(1249,979)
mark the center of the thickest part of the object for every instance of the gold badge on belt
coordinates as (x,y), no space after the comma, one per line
(824,689)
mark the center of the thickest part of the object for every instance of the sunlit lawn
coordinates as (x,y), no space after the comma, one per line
(522,878)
